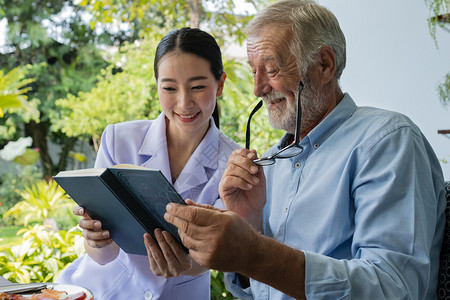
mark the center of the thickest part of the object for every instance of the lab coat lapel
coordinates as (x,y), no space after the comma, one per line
(154,145)
(202,164)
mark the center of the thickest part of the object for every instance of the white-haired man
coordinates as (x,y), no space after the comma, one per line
(354,208)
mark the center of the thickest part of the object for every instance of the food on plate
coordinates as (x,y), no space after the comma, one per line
(45,294)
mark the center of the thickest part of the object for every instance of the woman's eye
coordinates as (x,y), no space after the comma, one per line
(198,87)
(271,72)
(169,89)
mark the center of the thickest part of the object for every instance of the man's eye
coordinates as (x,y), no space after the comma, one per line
(169,89)
(198,87)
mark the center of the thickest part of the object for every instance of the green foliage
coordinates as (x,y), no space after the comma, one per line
(444,90)
(9,234)
(217,287)
(440,10)
(42,201)
(118,96)
(13,86)
(41,254)
(236,105)
(61,52)
(150,16)
(14,180)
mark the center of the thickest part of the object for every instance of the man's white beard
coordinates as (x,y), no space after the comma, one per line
(285,117)
(281,117)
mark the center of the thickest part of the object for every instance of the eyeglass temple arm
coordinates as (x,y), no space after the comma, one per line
(299,115)
(247,130)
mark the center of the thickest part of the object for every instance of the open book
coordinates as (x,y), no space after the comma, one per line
(127,199)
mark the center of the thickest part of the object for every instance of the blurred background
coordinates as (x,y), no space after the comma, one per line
(69,68)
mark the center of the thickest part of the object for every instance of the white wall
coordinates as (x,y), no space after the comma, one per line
(392,62)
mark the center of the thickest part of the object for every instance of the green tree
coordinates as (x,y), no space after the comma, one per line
(59,49)
(148,16)
(13,86)
(132,94)
(118,96)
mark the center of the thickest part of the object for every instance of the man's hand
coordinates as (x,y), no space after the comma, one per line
(216,238)
(243,187)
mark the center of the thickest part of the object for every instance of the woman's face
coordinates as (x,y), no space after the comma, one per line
(187,92)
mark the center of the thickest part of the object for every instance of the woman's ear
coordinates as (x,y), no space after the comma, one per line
(220,84)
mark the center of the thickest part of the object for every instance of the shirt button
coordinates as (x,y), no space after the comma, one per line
(316,146)
(148,295)
(297,165)
(286,209)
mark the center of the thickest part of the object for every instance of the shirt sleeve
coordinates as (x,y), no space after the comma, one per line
(398,225)
(105,152)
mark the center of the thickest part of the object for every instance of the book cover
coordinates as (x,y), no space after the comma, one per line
(128,200)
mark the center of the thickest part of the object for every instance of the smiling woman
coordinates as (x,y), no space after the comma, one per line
(184,142)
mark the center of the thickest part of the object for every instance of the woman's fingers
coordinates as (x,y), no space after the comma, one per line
(166,257)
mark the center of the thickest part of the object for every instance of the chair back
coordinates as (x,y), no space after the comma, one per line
(443,287)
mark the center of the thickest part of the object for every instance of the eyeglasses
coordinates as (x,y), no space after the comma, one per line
(270,160)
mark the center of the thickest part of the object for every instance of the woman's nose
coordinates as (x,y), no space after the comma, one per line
(185,100)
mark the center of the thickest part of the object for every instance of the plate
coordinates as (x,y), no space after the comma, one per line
(62,287)
(71,289)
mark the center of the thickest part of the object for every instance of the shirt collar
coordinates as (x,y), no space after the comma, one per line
(204,157)
(343,111)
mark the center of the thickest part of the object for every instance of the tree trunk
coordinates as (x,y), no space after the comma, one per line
(196,13)
(38,132)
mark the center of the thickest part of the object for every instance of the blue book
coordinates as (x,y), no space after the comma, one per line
(128,200)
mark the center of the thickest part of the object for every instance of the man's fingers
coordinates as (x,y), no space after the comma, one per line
(195,214)
(230,183)
(244,160)
(241,173)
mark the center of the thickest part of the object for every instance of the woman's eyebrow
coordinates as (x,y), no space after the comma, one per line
(197,78)
(189,80)
(168,80)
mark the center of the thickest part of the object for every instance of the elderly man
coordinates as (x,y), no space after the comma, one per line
(353,208)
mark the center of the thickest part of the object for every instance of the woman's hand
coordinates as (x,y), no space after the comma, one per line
(166,256)
(93,233)
(97,242)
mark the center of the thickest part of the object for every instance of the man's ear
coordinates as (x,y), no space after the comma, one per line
(327,63)
(221,83)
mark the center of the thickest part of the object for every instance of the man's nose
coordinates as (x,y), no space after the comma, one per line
(262,86)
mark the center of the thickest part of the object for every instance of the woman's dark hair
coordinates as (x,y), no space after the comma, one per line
(194,41)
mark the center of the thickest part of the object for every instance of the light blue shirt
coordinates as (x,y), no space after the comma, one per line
(144,143)
(365,202)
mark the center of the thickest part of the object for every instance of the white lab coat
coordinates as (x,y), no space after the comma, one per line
(144,143)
